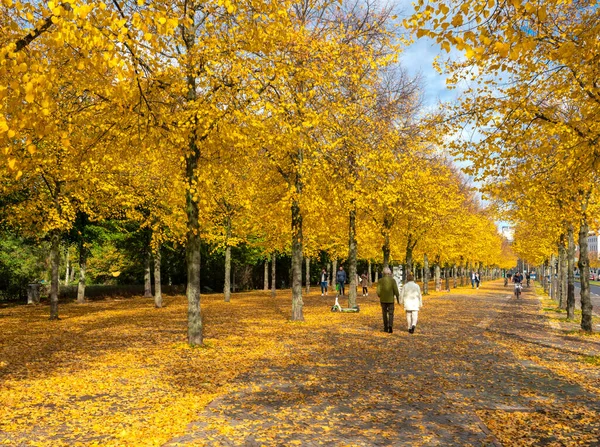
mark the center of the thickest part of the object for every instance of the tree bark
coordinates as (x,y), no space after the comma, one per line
(307,275)
(437,281)
(426,276)
(552,283)
(409,254)
(82,268)
(563,267)
(570,274)
(273,275)
(454,277)
(227,284)
(352,253)
(297,257)
(584,276)
(54,279)
(192,211)
(148,277)
(266,281)
(334,275)
(157,283)
(68,264)
(369,277)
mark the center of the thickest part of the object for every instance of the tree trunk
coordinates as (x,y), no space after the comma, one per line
(570,274)
(334,275)
(552,284)
(68,264)
(157,283)
(148,277)
(426,276)
(437,278)
(54,279)
(82,268)
(273,275)
(563,267)
(266,281)
(297,257)
(307,275)
(386,251)
(227,284)
(192,211)
(584,276)
(352,253)
(454,271)
(409,254)
(369,277)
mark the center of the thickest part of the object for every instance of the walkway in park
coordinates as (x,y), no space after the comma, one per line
(482,369)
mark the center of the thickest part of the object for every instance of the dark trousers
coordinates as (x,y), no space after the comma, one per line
(387,309)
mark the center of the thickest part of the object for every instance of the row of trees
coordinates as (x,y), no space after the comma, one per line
(287,126)
(531,107)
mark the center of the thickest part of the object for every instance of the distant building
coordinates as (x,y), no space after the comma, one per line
(593,245)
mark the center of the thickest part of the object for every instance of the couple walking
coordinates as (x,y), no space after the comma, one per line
(410,297)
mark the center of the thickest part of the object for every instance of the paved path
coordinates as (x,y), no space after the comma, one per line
(456,382)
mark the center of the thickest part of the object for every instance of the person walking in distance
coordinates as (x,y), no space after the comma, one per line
(472,279)
(324,279)
(412,300)
(477,279)
(387,290)
(364,282)
(340,277)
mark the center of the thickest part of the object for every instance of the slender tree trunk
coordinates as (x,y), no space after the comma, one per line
(54,279)
(409,254)
(369,277)
(584,276)
(193,226)
(334,275)
(570,274)
(562,255)
(386,250)
(68,263)
(307,275)
(148,277)
(437,281)
(273,275)
(72,277)
(552,283)
(82,268)
(227,283)
(454,276)
(157,283)
(426,276)
(297,257)
(352,253)
(266,281)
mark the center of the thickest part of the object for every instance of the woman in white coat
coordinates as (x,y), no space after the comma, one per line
(411,298)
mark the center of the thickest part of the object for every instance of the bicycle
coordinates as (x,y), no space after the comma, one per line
(518,290)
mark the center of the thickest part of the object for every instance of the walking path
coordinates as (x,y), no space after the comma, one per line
(482,369)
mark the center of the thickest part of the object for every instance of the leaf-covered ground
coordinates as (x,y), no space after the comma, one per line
(482,369)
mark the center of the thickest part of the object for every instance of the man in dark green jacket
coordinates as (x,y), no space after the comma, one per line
(387,289)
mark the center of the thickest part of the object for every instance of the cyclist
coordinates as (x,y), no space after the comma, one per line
(528,278)
(517,281)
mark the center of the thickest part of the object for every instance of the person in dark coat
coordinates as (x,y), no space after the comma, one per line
(387,290)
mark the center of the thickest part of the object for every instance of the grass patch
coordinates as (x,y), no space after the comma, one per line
(592,359)
(554,309)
